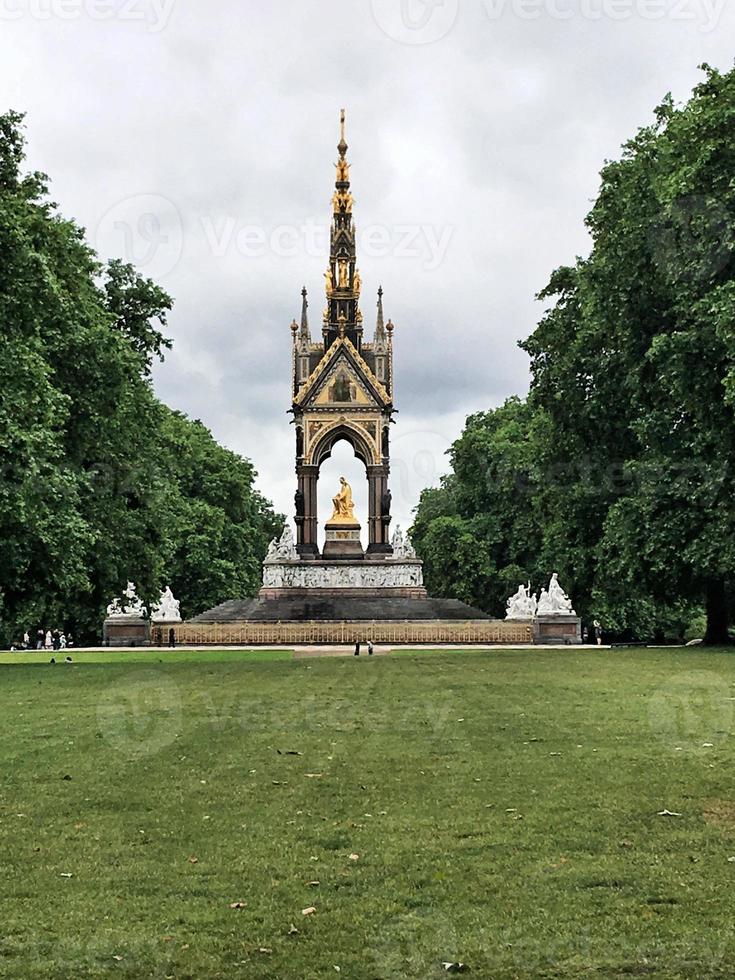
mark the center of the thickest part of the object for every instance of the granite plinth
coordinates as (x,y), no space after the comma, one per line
(555,629)
(126,631)
(333,608)
(342,542)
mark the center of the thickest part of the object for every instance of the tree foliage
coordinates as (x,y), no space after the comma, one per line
(478,532)
(100,481)
(633,384)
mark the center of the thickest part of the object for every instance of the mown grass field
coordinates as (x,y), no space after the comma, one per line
(498,809)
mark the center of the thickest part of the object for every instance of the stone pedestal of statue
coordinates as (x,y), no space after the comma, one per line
(126,631)
(557,629)
(127,623)
(556,621)
(342,541)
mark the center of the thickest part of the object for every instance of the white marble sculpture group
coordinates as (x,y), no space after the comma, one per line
(166,610)
(283,568)
(129,605)
(553,602)
(403,550)
(283,550)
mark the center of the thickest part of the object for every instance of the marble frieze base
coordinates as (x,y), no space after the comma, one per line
(357,577)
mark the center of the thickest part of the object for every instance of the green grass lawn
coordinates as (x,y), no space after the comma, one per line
(498,809)
(147,655)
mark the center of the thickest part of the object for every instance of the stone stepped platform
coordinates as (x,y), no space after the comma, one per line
(333,608)
(332,619)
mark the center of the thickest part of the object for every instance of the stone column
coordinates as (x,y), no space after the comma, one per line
(379,541)
(306,525)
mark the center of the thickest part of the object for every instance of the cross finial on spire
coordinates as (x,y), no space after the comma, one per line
(342,145)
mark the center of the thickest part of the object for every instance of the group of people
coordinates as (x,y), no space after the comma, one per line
(45,640)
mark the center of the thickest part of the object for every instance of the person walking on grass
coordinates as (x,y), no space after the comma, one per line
(357,649)
(371,648)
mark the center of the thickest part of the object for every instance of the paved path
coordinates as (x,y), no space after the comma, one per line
(304,653)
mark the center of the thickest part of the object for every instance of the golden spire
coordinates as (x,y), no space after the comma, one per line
(342,277)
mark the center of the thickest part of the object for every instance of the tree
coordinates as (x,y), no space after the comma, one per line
(218,525)
(478,532)
(100,481)
(630,445)
(635,367)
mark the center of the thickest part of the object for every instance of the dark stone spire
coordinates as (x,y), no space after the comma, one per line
(342,316)
(304,312)
(381,338)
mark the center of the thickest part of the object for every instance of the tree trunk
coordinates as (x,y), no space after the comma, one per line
(718,614)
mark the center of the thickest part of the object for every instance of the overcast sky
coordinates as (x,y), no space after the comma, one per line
(197,140)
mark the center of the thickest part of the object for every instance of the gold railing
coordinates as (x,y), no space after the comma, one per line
(484,631)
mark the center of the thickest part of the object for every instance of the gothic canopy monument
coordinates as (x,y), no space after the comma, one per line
(343,390)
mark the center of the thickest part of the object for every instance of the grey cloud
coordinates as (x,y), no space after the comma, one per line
(496,133)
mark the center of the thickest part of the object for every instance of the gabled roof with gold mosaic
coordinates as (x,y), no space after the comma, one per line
(342,345)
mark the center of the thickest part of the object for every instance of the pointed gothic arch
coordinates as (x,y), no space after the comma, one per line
(321,449)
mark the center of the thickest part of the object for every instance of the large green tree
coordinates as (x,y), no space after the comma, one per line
(630,416)
(635,368)
(100,481)
(478,532)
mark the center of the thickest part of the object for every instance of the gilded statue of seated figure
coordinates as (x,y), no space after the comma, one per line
(344,507)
